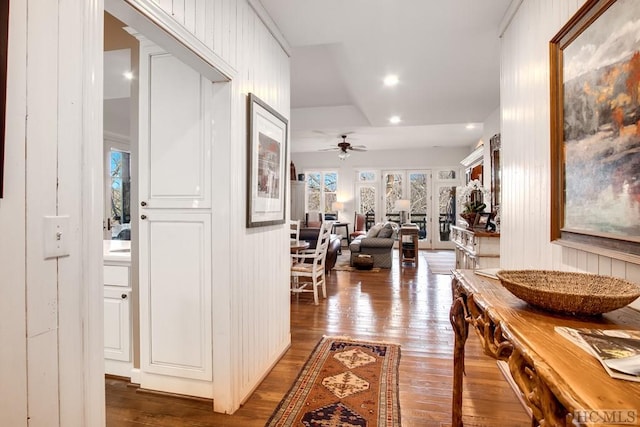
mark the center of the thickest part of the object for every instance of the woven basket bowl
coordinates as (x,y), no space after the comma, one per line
(569,293)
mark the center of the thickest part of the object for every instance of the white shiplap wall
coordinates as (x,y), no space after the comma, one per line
(525,102)
(251,273)
(51,371)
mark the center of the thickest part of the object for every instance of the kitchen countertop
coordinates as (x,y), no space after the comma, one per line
(116,250)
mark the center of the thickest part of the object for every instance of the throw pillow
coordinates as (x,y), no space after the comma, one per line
(387,231)
(373,231)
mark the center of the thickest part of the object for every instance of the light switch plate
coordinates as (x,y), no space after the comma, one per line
(56,230)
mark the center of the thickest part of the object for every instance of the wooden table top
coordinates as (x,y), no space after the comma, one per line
(579,380)
(299,245)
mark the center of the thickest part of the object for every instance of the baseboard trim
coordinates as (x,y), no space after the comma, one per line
(266,372)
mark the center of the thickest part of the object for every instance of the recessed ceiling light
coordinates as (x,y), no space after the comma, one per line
(394,120)
(470,126)
(391,80)
(128,75)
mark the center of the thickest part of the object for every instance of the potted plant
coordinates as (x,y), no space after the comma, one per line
(472,196)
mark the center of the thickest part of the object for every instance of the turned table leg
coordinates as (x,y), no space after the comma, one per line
(461,331)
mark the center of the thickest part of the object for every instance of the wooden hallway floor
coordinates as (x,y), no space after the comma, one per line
(408,307)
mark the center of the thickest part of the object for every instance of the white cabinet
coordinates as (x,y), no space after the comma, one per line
(175,297)
(476,249)
(175,234)
(175,133)
(117,315)
(117,324)
(297,200)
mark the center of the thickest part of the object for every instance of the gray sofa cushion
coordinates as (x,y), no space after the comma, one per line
(373,231)
(386,232)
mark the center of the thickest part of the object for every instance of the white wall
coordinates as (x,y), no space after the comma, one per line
(50,361)
(524,101)
(51,310)
(250,266)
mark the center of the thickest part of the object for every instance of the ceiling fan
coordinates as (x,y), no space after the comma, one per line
(344,147)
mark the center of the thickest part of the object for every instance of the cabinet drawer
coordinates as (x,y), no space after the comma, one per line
(116,275)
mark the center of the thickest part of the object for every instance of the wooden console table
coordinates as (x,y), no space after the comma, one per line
(555,376)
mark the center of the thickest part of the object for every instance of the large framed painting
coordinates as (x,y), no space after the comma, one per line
(267,160)
(595,130)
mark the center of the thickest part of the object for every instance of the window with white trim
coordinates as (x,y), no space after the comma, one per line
(321,191)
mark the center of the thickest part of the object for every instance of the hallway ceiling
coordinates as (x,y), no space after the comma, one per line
(445,54)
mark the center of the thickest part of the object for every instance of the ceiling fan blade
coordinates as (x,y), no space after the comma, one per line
(357,149)
(330,149)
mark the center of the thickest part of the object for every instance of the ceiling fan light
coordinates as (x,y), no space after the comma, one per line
(343,155)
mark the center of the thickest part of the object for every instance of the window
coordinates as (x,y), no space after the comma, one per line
(120,209)
(322,188)
(366,191)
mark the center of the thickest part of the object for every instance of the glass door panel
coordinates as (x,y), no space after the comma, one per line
(120,194)
(419,196)
(393,190)
(446,215)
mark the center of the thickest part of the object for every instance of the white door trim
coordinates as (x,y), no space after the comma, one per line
(92,196)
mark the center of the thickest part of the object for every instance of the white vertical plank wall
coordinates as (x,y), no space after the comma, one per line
(13,351)
(41,176)
(251,304)
(524,92)
(47,374)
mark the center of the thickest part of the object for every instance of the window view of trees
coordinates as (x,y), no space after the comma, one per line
(120,190)
(367,199)
(368,176)
(446,211)
(393,190)
(322,190)
(418,191)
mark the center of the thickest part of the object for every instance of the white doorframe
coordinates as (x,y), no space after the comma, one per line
(92,196)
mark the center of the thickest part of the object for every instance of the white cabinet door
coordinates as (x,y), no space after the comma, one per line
(174,134)
(117,324)
(175,294)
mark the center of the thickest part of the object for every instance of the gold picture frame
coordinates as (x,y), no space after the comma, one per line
(595,134)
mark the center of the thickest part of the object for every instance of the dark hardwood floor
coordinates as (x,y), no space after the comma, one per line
(408,307)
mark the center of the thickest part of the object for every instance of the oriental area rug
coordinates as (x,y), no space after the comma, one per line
(344,383)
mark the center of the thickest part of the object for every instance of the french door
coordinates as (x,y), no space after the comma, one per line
(412,185)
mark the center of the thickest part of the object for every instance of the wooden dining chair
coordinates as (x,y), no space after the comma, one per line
(307,270)
(358,225)
(294,227)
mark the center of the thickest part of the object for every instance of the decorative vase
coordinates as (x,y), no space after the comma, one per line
(469,217)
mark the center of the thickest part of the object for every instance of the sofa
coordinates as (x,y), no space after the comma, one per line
(378,242)
(310,234)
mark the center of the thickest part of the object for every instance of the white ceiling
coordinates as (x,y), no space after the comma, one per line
(445,53)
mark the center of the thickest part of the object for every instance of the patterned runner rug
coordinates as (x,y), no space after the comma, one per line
(344,383)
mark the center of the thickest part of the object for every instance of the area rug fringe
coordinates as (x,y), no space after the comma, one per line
(344,381)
